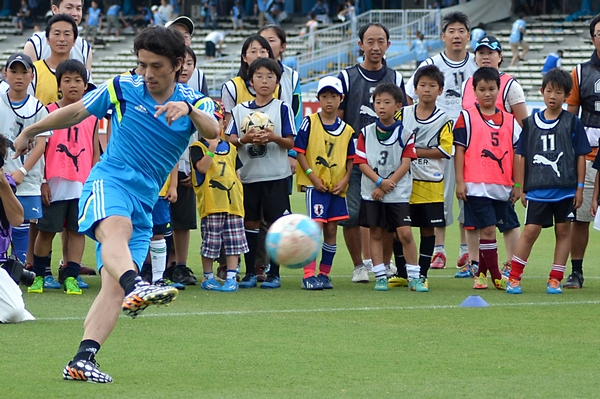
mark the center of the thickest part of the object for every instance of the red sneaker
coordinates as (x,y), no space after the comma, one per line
(438,261)
(462,260)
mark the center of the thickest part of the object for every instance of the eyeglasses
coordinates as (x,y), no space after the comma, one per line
(597,35)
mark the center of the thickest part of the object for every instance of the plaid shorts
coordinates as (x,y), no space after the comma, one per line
(223,228)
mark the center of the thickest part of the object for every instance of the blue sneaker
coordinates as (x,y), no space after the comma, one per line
(311,284)
(211,284)
(554,287)
(230,285)
(271,282)
(465,272)
(51,284)
(514,286)
(249,281)
(81,283)
(325,280)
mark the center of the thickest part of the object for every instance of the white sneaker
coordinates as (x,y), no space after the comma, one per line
(360,275)
(391,270)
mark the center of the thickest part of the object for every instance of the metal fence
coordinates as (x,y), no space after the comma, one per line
(333,48)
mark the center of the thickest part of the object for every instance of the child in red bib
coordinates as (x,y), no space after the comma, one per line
(485,138)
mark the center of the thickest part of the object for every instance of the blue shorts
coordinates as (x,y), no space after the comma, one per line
(511,221)
(32,206)
(161,217)
(325,207)
(481,212)
(101,199)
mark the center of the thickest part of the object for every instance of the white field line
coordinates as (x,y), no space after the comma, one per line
(329,310)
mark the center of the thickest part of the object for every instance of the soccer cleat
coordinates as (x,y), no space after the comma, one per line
(467,271)
(396,281)
(480,282)
(553,286)
(71,286)
(87,271)
(271,282)
(418,284)
(38,285)
(438,261)
(166,281)
(462,260)
(85,370)
(325,280)
(501,283)
(506,268)
(51,284)
(183,275)
(249,281)
(514,286)
(82,284)
(381,284)
(230,285)
(210,284)
(312,283)
(574,281)
(360,275)
(390,270)
(145,295)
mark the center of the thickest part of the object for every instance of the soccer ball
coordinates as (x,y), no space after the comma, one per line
(256,120)
(294,240)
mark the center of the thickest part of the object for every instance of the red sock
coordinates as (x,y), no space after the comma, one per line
(482,266)
(557,272)
(325,269)
(488,250)
(516,270)
(309,270)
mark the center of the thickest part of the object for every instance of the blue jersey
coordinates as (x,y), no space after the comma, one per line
(552,61)
(142,149)
(515,34)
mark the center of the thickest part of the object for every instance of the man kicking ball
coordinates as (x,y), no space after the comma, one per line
(150,132)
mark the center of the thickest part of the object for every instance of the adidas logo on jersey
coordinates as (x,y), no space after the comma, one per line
(141,109)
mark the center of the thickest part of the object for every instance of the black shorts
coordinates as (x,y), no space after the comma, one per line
(210,48)
(427,215)
(60,215)
(511,221)
(385,215)
(545,214)
(183,212)
(483,212)
(266,198)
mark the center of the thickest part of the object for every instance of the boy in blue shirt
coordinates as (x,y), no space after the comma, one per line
(149,115)
(553,146)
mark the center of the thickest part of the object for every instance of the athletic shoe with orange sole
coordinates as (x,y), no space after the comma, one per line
(480,282)
(438,261)
(85,370)
(145,295)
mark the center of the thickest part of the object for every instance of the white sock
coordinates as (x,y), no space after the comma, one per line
(231,274)
(413,271)
(379,270)
(368,263)
(158,255)
(439,249)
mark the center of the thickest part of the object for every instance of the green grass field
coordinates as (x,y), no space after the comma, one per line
(347,342)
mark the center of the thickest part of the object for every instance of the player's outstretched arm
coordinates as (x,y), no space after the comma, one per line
(59,119)
(206,124)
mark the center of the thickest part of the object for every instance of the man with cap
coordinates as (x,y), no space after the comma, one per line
(511,99)
(185,25)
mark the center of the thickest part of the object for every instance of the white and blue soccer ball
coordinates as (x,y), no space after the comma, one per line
(294,240)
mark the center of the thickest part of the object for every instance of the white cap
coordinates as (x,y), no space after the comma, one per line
(330,81)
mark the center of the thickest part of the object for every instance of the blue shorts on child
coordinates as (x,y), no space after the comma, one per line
(325,207)
(483,212)
(101,199)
